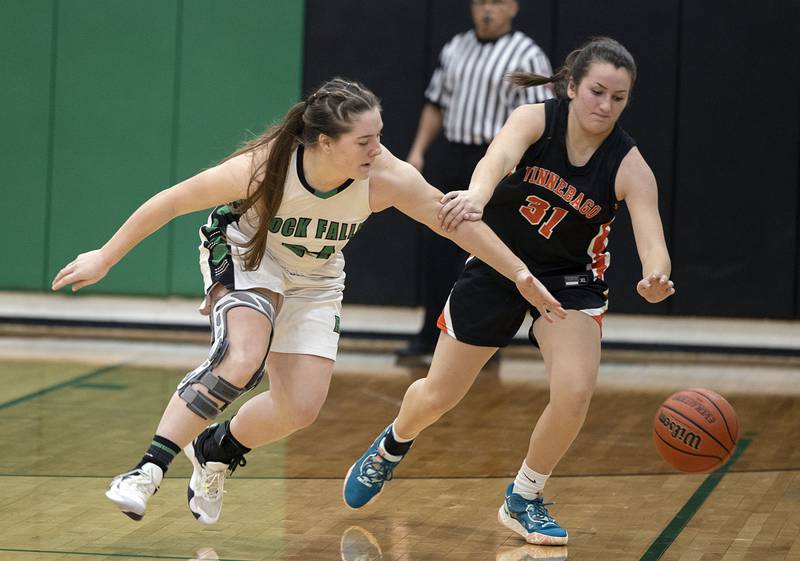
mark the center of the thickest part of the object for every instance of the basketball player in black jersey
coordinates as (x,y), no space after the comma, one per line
(549,186)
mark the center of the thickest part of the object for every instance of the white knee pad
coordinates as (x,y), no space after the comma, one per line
(218,387)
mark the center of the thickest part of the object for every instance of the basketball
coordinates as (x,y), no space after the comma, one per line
(695,430)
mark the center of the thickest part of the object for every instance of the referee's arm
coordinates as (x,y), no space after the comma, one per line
(430,125)
(432,117)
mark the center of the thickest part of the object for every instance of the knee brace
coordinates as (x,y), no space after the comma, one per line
(218,387)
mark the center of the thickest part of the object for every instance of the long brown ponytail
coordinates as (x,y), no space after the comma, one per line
(576,65)
(329,111)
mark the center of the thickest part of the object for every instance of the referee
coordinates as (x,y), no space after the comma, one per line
(468,98)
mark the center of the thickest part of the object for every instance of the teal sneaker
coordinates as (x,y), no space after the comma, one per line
(358,544)
(530,519)
(365,479)
(529,552)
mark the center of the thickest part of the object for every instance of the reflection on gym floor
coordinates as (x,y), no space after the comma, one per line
(68,428)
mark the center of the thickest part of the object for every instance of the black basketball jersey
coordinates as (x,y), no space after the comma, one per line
(555,216)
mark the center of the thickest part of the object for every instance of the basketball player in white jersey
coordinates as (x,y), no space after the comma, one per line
(274,276)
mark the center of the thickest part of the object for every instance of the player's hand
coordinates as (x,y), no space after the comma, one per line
(458,206)
(86,269)
(534,292)
(417,160)
(655,287)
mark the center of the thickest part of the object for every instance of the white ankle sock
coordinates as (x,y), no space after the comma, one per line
(529,484)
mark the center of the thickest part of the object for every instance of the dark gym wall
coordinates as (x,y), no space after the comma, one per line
(737,167)
(382,45)
(714,112)
(393,51)
(650,117)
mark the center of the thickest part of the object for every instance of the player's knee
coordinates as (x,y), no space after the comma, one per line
(439,402)
(211,387)
(573,401)
(302,414)
(241,362)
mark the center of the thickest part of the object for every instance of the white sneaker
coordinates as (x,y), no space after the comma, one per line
(205,554)
(130,490)
(205,487)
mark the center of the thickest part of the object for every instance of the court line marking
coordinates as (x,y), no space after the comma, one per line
(98,554)
(410,478)
(685,514)
(60,385)
(95,386)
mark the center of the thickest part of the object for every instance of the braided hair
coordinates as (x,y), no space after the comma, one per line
(329,110)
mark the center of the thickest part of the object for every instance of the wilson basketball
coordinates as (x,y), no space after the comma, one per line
(695,430)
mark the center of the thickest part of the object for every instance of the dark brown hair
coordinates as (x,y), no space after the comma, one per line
(576,65)
(329,111)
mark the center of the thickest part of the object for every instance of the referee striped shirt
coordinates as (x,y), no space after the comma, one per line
(469,87)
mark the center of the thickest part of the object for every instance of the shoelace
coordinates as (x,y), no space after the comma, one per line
(236,462)
(212,485)
(376,471)
(537,510)
(141,481)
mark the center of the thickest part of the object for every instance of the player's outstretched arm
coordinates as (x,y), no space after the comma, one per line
(524,126)
(218,185)
(398,184)
(636,185)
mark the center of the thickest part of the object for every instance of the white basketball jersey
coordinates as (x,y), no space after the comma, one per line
(310,229)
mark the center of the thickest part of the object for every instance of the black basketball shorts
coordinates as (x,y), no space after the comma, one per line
(486,309)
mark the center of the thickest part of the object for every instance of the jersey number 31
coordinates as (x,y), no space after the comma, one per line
(535,211)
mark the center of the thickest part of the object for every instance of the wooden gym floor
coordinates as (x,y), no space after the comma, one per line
(67,428)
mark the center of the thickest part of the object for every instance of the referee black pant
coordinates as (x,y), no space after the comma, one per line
(442,260)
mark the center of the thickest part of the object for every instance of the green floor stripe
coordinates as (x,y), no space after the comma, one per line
(685,514)
(93,386)
(74,381)
(103,554)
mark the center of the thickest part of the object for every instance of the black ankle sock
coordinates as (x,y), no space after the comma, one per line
(161,452)
(396,448)
(221,446)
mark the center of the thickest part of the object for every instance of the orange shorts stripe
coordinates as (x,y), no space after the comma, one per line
(599,320)
(441,323)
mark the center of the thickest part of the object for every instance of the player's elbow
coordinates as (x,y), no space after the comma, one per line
(463,234)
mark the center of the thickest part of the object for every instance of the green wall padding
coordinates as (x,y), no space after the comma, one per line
(142,95)
(26,34)
(113,131)
(240,70)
